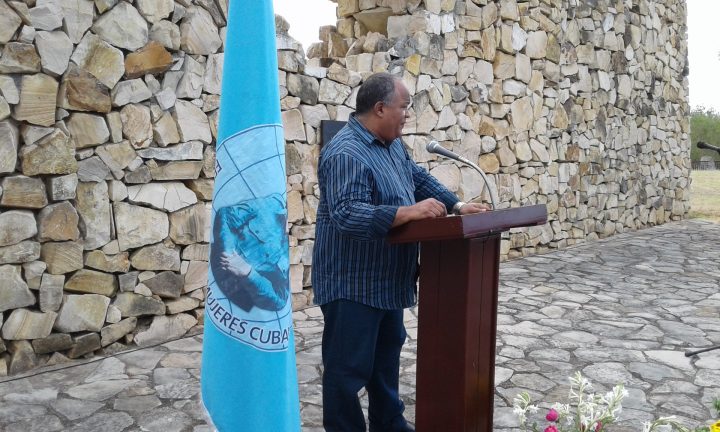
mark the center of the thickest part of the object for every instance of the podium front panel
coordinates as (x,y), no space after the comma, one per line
(456,334)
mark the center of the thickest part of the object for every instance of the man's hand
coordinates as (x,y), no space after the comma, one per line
(425,209)
(471,208)
(235,264)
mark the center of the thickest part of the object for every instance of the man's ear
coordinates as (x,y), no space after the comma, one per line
(379,109)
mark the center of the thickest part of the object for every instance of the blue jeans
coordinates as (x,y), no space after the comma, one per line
(361,348)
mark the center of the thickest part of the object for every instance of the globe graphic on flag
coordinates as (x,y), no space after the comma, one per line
(248,289)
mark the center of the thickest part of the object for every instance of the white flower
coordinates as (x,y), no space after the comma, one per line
(617,411)
(520,413)
(561,408)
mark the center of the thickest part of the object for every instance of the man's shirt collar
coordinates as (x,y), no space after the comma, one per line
(366,136)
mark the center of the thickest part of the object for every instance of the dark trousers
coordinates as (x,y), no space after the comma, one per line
(361,348)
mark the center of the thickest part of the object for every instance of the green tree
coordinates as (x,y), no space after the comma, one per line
(704,126)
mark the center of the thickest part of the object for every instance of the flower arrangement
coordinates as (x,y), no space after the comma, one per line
(589,412)
(586,412)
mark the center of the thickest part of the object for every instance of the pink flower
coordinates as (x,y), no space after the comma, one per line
(598,427)
(551,428)
(552,415)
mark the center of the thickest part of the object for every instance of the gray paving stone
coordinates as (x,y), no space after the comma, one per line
(163,420)
(709,360)
(194,408)
(99,390)
(181,360)
(169,375)
(74,409)
(143,359)
(550,354)
(136,404)
(14,412)
(45,423)
(636,399)
(607,373)
(654,372)
(183,389)
(532,381)
(106,422)
(708,378)
(609,354)
(109,369)
(39,396)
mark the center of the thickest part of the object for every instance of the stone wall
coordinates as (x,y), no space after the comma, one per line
(108,113)
(581,105)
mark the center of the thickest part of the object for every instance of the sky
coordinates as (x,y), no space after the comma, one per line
(704,53)
(306,17)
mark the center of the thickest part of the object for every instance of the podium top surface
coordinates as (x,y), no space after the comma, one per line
(468,226)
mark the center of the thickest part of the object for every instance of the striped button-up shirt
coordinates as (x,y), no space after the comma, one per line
(362,183)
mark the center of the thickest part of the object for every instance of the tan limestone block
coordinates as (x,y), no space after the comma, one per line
(23,192)
(489,163)
(62,257)
(54,154)
(92,282)
(19,57)
(58,222)
(412,64)
(25,324)
(153,58)
(375,20)
(118,263)
(38,96)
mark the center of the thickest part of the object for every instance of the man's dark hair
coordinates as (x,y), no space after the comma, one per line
(377,88)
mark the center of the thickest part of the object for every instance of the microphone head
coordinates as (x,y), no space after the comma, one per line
(432,146)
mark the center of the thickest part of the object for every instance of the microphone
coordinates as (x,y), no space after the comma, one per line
(435,147)
(704,145)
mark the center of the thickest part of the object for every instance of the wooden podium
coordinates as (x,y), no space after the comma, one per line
(459,266)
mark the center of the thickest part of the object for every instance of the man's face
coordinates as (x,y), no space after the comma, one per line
(395,113)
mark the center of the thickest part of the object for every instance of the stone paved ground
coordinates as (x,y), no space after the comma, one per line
(623,309)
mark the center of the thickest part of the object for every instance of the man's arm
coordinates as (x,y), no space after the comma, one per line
(348,192)
(428,186)
(348,186)
(428,208)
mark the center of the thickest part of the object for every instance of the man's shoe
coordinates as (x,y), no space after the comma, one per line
(404,427)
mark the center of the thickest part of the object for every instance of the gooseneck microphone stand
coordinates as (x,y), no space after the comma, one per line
(435,147)
(704,145)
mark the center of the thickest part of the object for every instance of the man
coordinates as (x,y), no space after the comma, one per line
(369,184)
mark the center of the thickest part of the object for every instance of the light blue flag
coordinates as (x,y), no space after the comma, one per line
(249,380)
